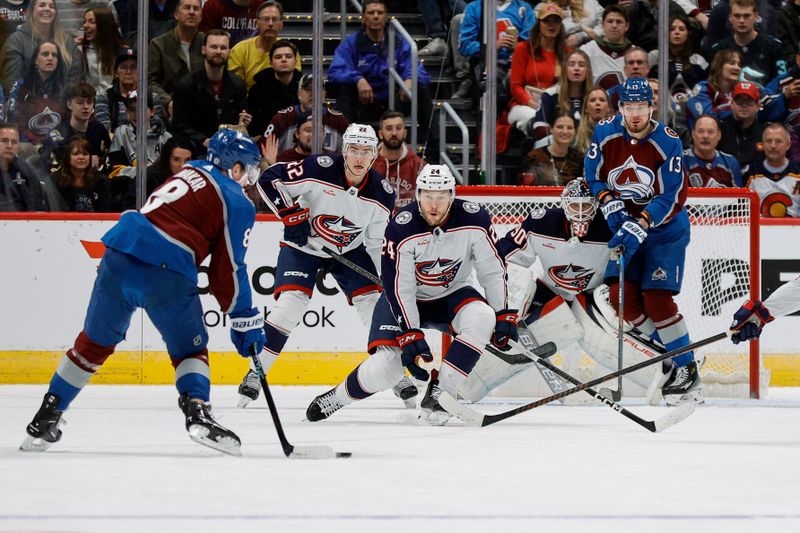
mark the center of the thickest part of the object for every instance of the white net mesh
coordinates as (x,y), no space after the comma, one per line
(717,277)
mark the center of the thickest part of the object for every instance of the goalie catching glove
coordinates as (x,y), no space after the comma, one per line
(296,228)
(247,333)
(749,320)
(629,236)
(413,345)
(505,328)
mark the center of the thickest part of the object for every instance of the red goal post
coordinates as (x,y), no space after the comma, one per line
(721,270)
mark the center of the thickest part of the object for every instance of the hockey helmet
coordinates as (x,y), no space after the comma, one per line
(360,134)
(636,90)
(579,206)
(228,147)
(436,178)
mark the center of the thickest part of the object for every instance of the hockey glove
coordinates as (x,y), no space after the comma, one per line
(296,228)
(505,328)
(749,320)
(615,214)
(629,236)
(247,331)
(412,343)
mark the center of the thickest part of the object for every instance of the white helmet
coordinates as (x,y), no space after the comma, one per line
(436,178)
(579,205)
(361,134)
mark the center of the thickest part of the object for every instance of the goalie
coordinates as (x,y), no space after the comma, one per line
(568,304)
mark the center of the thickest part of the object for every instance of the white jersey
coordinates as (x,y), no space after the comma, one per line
(607,65)
(571,266)
(421,263)
(785,190)
(342,217)
(785,300)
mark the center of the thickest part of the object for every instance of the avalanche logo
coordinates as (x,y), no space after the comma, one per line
(633,181)
(336,230)
(571,277)
(439,273)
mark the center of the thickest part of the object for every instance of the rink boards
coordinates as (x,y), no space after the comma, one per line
(50,264)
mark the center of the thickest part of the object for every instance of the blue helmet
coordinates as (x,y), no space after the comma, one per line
(228,147)
(636,90)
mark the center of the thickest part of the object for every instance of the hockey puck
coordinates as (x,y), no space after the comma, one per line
(343,455)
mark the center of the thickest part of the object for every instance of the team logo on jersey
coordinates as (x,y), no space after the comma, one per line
(633,181)
(387,186)
(324,161)
(336,230)
(695,179)
(571,277)
(659,275)
(471,207)
(439,273)
(404,217)
(537,213)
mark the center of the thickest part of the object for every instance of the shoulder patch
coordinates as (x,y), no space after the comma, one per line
(387,186)
(404,217)
(537,213)
(671,132)
(471,207)
(324,161)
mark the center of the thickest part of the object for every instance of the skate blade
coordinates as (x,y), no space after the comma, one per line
(34,444)
(228,445)
(244,401)
(695,396)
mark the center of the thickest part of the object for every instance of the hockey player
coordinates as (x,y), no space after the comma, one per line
(324,201)
(429,252)
(634,168)
(151,262)
(750,319)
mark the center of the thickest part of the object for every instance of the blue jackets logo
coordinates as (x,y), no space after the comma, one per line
(439,273)
(336,230)
(571,277)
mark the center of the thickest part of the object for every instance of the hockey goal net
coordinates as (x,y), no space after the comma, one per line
(721,271)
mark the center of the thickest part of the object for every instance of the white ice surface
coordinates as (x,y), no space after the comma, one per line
(125,463)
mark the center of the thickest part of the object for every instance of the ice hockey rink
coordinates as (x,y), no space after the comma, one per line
(125,463)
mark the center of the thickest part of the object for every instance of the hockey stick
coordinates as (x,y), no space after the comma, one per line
(529,344)
(478,419)
(616,395)
(291,451)
(281,188)
(669,419)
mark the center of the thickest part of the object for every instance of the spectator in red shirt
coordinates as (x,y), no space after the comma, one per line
(395,161)
(237,17)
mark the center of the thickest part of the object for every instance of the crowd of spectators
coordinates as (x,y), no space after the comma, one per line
(68,89)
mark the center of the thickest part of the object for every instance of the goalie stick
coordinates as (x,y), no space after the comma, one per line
(479,419)
(291,451)
(669,419)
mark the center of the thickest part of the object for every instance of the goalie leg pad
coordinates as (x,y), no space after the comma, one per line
(555,322)
(365,304)
(381,371)
(521,287)
(489,372)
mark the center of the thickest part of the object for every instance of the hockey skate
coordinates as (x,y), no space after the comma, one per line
(430,410)
(204,430)
(43,431)
(324,406)
(683,385)
(249,389)
(406,391)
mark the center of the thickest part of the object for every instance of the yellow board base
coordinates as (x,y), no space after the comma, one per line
(292,368)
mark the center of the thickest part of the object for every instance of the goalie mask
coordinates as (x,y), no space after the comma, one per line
(435,191)
(359,146)
(579,206)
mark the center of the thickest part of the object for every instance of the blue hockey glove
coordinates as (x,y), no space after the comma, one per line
(296,227)
(615,214)
(749,320)
(505,328)
(247,331)
(629,236)
(413,344)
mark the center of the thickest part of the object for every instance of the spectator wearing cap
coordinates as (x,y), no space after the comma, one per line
(302,144)
(775,178)
(211,96)
(275,88)
(251,56)
(284,122)
(173,55)
(360,71)
(110,105)
(741,132)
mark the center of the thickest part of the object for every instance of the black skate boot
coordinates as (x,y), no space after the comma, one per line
(406,391)
(204,430)
(431,412)
(324,406)
(683,385)
(249,388)
(43,431)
